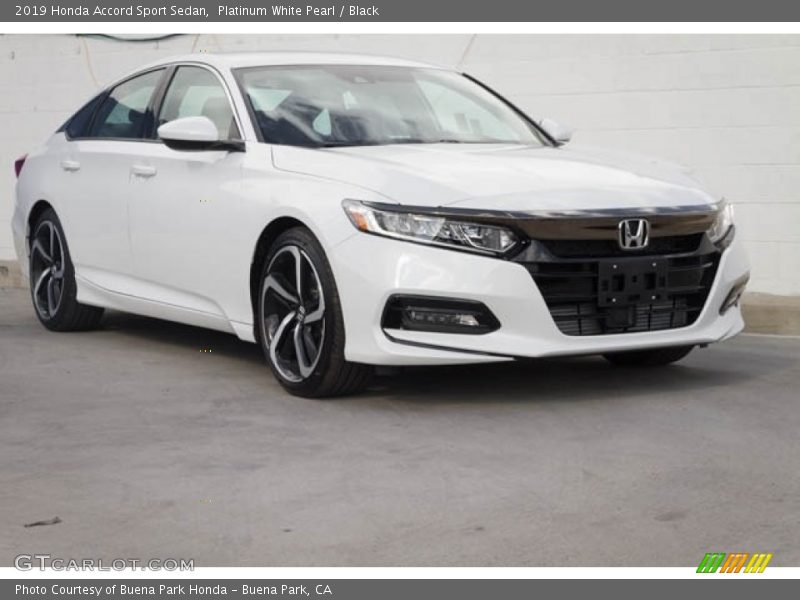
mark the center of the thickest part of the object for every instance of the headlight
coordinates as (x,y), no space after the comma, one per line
(722,223)
(431,229)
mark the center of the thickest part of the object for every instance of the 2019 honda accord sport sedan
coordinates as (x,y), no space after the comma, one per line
(351,211)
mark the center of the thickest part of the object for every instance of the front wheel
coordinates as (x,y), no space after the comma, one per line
(300,322)
(648,358)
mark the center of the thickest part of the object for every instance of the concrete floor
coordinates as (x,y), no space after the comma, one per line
(145,446)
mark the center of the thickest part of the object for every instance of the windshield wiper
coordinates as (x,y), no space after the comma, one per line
(367,143)
(335,145)
(452,141)
(343,144)
(424,141)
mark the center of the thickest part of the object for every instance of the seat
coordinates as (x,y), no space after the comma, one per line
(290,123)
(218,109)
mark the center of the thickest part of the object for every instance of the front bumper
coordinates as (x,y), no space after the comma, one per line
(370,269)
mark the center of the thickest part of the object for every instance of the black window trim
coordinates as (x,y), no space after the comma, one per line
(537,129)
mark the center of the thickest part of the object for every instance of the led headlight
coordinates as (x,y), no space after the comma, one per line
(431,229)
(722,224)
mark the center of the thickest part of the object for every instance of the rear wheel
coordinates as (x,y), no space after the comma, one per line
(648,358)
(300,322)
(52,276)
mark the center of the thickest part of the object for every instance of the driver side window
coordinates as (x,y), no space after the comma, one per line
(196,92)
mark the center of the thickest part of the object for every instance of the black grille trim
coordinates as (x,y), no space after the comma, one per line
(592,248)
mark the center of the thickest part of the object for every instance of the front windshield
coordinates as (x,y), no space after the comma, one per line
(349,105)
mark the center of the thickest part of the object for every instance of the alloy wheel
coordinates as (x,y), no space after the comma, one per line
(293,311)
(48,265)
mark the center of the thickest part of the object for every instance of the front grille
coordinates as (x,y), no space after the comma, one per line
(678,244)
(613,294)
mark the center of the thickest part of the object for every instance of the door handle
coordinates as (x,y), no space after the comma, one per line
(70,165)
(143,170)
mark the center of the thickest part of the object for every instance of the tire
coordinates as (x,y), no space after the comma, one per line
(52,277)
(648,358)
(302,334)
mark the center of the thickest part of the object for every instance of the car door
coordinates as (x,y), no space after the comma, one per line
(183,202)
(95,169)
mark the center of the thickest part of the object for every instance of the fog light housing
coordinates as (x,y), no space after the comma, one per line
(438,315)
(733,297)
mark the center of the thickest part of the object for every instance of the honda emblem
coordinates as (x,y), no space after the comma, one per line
(634,234)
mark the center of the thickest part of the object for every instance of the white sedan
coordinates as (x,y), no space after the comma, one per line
(352,211)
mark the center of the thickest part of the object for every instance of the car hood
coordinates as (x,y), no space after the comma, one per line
(501,177)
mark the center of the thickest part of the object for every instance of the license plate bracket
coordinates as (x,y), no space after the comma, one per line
(631,281)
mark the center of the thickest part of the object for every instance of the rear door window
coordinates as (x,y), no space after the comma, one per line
(78,124)
(126,112)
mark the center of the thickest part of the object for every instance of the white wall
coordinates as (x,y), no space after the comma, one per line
(728,106)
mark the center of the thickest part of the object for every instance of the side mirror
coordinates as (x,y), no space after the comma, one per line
(560,133)
(195,133)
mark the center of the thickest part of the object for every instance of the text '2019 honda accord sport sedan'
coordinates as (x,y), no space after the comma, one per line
(351,211)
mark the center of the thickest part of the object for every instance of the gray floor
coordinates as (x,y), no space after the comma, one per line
(145,447)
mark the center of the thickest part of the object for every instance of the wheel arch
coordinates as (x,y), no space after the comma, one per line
(39,207)
(268,235)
